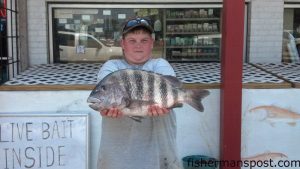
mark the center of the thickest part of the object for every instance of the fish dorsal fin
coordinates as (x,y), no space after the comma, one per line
(173,80)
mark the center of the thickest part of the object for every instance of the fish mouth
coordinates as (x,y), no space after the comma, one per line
(94,103)
(93,100)
(94,107)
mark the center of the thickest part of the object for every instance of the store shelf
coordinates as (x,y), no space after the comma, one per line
(192,19)
(204,60)
(195,54)
(182,47)
(194,33)
(194,29)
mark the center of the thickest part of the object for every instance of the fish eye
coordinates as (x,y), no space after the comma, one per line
(102,87)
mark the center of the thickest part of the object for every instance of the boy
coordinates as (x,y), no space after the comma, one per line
(125,143)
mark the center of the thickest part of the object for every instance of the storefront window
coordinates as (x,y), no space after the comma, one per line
(83,35)
(193,34)
(291,35)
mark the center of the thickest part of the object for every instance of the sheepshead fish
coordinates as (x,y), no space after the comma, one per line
(132,91)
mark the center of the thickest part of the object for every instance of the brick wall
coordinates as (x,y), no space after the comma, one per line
(265,28)
(37,32)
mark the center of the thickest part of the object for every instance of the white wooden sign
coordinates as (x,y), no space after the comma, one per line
(51,141)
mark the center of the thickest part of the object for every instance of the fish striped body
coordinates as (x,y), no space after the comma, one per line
(132,91)
(147,86)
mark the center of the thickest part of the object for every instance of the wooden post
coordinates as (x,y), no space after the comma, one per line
(231,80)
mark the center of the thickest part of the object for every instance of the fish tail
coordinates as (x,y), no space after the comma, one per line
(283,155)
(194,98)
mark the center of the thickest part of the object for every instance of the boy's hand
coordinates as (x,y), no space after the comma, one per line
(155,110)
(112,112)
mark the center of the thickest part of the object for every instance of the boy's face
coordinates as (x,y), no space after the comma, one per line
(137,47)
